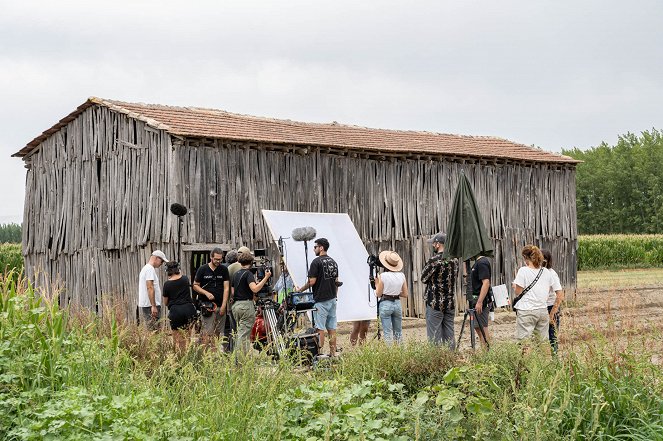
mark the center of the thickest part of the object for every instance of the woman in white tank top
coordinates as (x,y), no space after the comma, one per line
(390,286)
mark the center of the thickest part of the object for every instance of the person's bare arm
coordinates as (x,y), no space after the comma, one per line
(256,287)
(404,290)
(485,286)
(379,286)
(309,283)
(199,289)
(559,298)
(226,294)
(150,295)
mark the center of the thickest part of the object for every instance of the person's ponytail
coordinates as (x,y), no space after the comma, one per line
(533,254)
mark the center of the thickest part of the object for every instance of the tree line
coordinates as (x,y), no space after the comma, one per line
(10,233)
(619,189)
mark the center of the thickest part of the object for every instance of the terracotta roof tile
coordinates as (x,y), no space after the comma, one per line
(210,123)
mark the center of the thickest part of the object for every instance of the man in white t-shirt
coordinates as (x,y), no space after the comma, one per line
(149,290)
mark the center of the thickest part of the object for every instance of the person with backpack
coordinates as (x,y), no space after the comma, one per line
(532,286)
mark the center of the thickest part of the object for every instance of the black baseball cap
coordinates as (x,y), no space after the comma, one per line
(439,238)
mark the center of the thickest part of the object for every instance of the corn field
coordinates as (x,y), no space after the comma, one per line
(10,257)
(594,252)
(620,251)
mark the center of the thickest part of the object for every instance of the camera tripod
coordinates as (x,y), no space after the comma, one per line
(472,314)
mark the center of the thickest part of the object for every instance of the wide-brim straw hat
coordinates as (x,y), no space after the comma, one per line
(391,260)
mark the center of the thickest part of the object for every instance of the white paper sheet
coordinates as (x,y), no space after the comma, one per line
(356,301)
(501,295)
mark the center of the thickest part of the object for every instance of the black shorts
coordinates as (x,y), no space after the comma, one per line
(482,319)
(181,316)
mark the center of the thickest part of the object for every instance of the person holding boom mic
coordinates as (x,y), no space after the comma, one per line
(323,277)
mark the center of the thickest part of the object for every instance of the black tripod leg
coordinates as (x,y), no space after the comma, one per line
(462,327)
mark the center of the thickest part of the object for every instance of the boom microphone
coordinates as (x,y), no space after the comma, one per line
(303,234)
(178,209)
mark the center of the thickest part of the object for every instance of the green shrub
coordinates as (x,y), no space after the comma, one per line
(413,364)
(620,251)
(64,375)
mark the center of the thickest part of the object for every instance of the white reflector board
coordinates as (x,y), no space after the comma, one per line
(501,296)
(356,301)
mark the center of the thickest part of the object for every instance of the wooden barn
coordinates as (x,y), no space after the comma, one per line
(100,183)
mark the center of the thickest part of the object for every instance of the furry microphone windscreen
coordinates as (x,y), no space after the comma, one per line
(303,233)
(178,209)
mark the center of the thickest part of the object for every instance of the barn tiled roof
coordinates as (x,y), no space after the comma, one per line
(209,123)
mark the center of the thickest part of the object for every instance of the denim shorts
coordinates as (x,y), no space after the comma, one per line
(324,315)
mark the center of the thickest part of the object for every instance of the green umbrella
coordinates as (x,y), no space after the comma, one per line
(466,232)
(467,239)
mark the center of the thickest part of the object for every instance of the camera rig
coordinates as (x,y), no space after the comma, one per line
(260,266)
(374,263)
(274,328)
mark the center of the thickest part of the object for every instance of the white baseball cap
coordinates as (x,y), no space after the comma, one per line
(160,255)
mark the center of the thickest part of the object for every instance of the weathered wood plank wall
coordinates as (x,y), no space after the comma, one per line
(96,206)
(98,194)
(393,203)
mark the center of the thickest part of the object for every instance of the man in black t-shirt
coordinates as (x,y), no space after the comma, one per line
(212,283)
(322,276)
(482,293)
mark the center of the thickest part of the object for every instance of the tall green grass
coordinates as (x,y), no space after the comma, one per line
(620,251)
(70,375)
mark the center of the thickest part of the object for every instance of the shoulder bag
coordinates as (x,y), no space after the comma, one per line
(526,290)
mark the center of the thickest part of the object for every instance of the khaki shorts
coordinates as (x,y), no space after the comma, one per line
(528,322)
(213,325)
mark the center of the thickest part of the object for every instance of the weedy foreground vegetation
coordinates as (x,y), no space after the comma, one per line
(69,375)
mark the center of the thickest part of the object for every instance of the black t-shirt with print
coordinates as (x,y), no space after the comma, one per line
(325,271)
(178,291)
(481,271)
(241,284)
(212,281)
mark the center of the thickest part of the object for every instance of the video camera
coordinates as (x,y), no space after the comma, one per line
(260,266)
(374,263)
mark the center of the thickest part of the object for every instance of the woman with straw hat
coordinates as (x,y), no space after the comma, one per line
(390,286)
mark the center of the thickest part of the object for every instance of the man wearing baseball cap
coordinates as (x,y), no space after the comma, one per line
(439,275)
(236,266)
(149,290)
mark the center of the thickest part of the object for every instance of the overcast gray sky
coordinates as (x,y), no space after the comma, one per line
(556,74)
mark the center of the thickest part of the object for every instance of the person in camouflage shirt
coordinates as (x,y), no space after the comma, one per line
(439,275)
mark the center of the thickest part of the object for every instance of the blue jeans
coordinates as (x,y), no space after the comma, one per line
(391,317)
(553,329)
(324,315)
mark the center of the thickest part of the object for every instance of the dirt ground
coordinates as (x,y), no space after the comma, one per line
(619,305)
